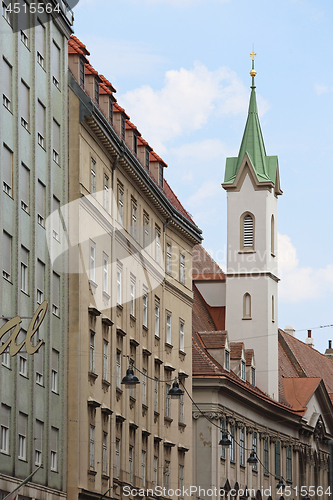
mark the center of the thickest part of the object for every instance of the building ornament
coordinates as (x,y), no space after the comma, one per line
(250,429)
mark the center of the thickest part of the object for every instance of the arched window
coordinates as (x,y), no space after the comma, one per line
(272,236)
(247,231)
(247,306)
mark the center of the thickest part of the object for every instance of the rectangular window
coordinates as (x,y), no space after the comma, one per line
(105,274)
(92,262)
(156,407)
(22,360)
(222,427)
(56,142)
(122,126)
(266,456)
(92,176)
(6,13)
(277,459)
(39,365)
(130,463)
(56,294)
(167,475)
(181,479)
(6,256)
(182,337)
(117,457)
(168,329)
(25,105)
(55,218)
(82,71)
(144,386)
(106,192)
(120,205)
(157,320)
(181,409)
(134,220)
(254,447)
(55,64)
(40,271)
(167,401)
(7,170)
(243,369)
(227,359)
(54,370)
(24,187)
(24,270)
(119,285)
(242,446)
(147,158)
(38,442)
(5,359)
(97,90)
(24,22)
(111,110)
(40,43)
(289,464)
(143,468)
(41,111)
(118,370)
(145,309)
(105,360)
(135,143)
(22,436)
(232,439)
(132,298)
(253,376)
(7,84)
(160,176)
(92,352)
(40,203)
(4,428)
(182,269)
(105,453)
(155,471)
(146,232)
(92,446)
(54,448)
(168,258)
(158,246)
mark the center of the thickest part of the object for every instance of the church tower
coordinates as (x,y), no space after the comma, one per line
(252,184)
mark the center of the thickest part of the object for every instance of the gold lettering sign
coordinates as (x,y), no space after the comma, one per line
(33,327)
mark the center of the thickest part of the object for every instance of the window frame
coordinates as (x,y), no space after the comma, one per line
(247,231)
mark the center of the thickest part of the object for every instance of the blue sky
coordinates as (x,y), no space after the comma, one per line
(181,70)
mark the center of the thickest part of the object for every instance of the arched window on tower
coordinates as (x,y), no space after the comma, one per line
(272,236)
(247,306)
(247,231)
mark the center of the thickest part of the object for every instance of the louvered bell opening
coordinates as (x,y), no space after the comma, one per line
(248,231)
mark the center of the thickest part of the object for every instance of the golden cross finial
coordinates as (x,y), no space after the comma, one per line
(253,55)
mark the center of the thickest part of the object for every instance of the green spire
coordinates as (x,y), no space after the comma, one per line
(265,167)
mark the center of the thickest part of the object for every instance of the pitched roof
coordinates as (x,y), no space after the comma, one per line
(249,353)
(175,201)
(298,391)
(236,350)
(75,46)
(154,157)
(201,318)
(204,265)
(213,339)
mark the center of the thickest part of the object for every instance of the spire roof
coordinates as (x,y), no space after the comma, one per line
(265,167)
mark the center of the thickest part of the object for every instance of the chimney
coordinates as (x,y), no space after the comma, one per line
(329,351)
(309,340)
(290,329)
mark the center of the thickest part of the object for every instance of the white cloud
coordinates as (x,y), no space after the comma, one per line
(321,89)
(205,150)
(207,191)
(185,103)
(300,283)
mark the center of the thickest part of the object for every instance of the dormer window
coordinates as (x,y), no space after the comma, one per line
(135,143)
(111,110)
(147,158)
(82,65)
(243,366)
(253,376)
(97,90)
(123,127)
(160,176)
(227,360)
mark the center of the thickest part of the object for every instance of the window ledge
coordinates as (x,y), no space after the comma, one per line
(168,419)
(145,328)
(133,399)
(246,319)
(144,407)
(182,353)
(105,476)
(119,306)
(93,284)
(133,318)
(92,472)
(25,293)
(106,382)
(118,390)
(247,251)
(168,345)
(92,375)
(273,254)
(8,280)
(156,413)
(157,337)
(182,425)
(106,295)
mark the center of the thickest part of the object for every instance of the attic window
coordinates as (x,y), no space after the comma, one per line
(253,376)
(160,177)
(243,370)
(247,231)
(97,90)
(111,110)
(82,72)
(227,360)
(135,143)
(147,158)
(122,126)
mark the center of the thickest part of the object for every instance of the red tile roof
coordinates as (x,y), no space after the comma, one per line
(201,318)
(103,89)
(119,109)
(298,391)
(204,266)
(249,353)
(107,83)
(130,126)
(75,46)
(89,70)
(236,350)
(213,339)
(154,157)
(175,201)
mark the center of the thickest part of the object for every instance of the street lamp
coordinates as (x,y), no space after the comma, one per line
(175,391)
(225,441)
(130,379)
(252,458)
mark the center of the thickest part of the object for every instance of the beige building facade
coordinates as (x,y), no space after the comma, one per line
(130,253)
